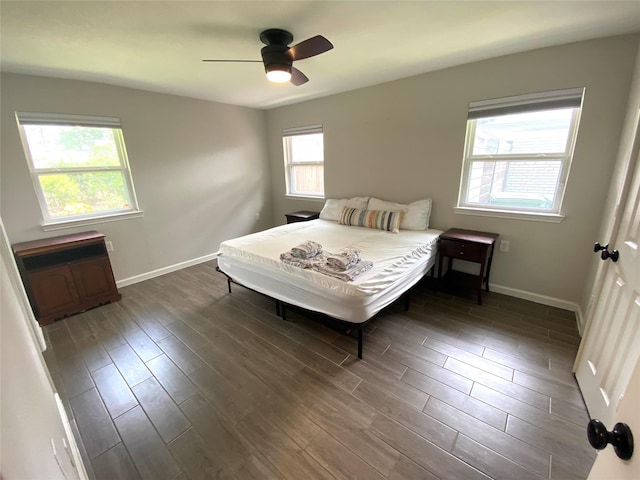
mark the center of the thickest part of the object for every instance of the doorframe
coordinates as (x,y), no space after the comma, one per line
(624,170)
(611,233)
(14,276)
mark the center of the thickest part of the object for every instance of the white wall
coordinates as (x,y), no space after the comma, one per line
(200,169)
(30,415)
(403,141)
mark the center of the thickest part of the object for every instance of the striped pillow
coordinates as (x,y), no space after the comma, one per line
(380,219)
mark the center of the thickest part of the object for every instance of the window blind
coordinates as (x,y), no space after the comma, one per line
(31,118)
(567,98)
(308,130)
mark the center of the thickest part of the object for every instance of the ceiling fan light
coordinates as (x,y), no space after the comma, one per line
(278,73)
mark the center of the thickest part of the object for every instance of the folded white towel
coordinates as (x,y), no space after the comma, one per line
(347,275)
(289,259)
(306,249)
(344,259)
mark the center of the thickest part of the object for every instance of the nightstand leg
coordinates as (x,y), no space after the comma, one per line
(481,279)
(489,267)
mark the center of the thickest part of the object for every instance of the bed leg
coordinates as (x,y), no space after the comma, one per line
(360,342)
(278,307)
(284,313)
(229,284)
(407,301)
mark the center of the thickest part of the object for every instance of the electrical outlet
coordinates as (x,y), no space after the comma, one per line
(504,246)
(109,246)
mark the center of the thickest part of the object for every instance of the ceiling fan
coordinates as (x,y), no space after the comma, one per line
(278,57)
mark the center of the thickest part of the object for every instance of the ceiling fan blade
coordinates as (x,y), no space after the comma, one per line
(309,48)
(235,61)
(297,77)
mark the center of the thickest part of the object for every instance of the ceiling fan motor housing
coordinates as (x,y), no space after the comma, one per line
(276,55)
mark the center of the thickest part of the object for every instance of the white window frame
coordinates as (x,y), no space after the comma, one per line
(54,223)
(287,133)
(518,104)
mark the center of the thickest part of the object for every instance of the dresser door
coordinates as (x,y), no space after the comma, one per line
(94,279)
(53,290)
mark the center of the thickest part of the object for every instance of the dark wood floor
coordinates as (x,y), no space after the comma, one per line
(183,380)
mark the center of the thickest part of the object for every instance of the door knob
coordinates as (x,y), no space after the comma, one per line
(620,437)
(613,255)
(597,247)
(605,253)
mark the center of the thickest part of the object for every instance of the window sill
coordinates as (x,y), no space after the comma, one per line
(304,197)
(60,225)
(531,216)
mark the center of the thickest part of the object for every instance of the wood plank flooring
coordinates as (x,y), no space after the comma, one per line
(181,380)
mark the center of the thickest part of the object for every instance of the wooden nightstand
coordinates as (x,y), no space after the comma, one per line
(471,246)
(301,216)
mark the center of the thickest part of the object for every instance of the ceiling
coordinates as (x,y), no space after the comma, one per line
(159,45)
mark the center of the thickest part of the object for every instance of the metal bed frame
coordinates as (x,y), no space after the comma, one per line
(281,310)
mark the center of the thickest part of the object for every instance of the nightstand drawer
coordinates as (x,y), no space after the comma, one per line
(463,250)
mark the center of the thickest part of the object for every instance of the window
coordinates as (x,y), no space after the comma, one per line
(518,152)
(304,161)
(78,165)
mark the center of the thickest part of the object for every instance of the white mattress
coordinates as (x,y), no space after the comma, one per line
(399,261)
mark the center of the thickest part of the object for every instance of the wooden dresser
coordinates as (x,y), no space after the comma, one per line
(66,275)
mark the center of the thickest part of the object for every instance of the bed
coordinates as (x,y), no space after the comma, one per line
(399,260)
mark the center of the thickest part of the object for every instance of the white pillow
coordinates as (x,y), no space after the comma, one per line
(416,214)
(333,207)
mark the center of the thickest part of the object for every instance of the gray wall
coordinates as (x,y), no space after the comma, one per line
(404,140)
(200,169)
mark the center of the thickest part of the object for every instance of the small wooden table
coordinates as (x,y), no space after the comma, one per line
(301,216)
(472,246)
(66,275)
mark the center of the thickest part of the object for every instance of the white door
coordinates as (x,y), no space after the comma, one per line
(610,347)
(607,465)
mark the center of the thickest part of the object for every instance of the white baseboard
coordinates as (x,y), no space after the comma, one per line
(534,297)
(164,270)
